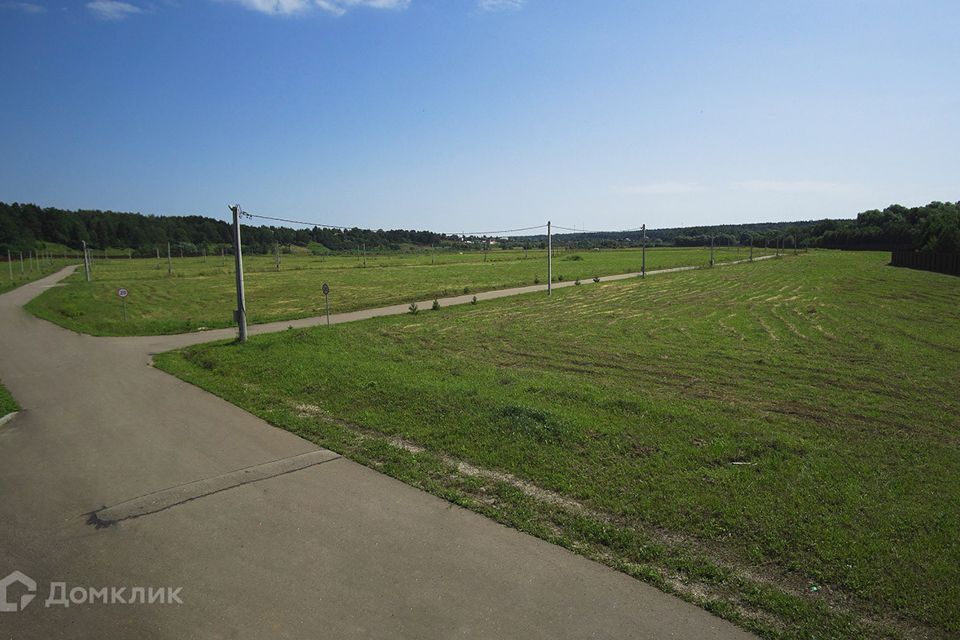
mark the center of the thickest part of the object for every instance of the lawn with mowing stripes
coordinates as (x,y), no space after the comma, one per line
(201,291)
(778,442)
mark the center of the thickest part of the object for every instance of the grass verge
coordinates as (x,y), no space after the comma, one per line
(7,403)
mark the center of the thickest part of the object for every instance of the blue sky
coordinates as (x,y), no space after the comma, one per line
(481,114)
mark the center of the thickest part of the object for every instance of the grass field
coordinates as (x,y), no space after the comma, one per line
(201,293)
(778,442)
(7,403)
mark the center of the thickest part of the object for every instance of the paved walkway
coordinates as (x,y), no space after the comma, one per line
(159,344)
(268,535)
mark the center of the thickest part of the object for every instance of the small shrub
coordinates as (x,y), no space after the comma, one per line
(474,301)
(560,278)
(536,279)
(574,258)
(413,308)
(436,305)
(577,282)
(596,279)
(466,290)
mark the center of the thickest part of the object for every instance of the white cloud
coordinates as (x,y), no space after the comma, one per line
(25,7)
(796,186)
(113,9)
(336,7)
(500,5)
(662,188)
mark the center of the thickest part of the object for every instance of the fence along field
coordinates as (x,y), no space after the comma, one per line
(201,291)
(21,267)
(777,442)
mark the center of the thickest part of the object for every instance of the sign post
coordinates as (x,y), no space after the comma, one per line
(123,293)
(326,300)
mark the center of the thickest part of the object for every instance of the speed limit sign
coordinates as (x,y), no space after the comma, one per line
(123,293)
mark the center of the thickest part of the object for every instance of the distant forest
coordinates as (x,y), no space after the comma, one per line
(934,227)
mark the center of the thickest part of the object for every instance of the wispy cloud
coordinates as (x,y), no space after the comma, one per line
(113,9)
(796,186)
(24,7)
(500,5)
(336,7)
(662,188)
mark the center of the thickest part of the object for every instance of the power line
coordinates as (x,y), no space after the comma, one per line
(451,233)
(341,226)
(556,226)
(492,233)
(309,224)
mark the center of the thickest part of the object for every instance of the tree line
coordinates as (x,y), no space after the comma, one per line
(24,227)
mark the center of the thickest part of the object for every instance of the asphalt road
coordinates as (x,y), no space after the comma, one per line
(265,534)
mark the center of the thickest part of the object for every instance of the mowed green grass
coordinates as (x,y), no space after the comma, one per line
(777,441)
(7,403)
(201,293)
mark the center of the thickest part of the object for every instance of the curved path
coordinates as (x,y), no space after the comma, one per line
(267,535)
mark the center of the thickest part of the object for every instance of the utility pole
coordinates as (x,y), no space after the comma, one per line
(86,262)
(241,303)
(21,263)
(711,251)
(276,251)
(169,261)
(10,265)
(364,255)
(549,260)
(751,247)
(643,254)
(158,258)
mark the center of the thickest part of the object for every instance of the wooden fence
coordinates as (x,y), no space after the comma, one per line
(927,261)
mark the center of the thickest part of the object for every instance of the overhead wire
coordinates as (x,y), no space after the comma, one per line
(460,233)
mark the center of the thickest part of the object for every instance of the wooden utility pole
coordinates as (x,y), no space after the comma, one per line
(241,312)
(643,258)
(86,261)
(549,260)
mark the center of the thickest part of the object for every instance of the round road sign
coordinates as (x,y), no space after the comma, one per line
(123,293)
(326,289)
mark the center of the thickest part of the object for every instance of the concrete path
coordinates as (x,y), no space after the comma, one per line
(159,344)
(266,535)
